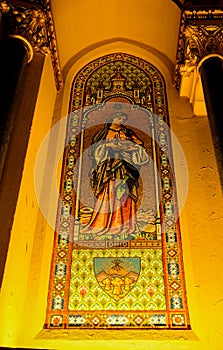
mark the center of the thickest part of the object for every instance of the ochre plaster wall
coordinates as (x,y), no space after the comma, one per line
(25,284)
(81,25)
(27,271)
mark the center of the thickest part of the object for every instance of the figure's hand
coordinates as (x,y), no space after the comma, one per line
(126,145)
(122,145)
(113,145)
(132,148)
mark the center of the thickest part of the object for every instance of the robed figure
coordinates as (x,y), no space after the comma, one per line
(117,155)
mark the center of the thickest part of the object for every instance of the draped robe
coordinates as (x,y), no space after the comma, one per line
(114,182)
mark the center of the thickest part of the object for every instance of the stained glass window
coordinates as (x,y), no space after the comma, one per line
(117,257)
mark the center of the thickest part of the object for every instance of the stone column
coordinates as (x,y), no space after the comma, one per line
(211,72)
(19,83)
(19,86)
(15,53)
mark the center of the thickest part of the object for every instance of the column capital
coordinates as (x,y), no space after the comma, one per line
(35,24)
(201,34)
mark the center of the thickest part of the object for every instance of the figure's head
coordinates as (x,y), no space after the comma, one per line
(117,118)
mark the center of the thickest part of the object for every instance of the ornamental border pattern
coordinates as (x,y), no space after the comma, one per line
(176,314)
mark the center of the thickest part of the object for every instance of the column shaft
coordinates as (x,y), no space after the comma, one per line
(19,86)
(212,82)
(13,59)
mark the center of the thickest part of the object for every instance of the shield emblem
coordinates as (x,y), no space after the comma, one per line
(117,276)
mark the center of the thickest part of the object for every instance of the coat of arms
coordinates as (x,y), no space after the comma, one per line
(117,276)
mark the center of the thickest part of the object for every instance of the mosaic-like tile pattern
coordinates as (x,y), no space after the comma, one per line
(115,278)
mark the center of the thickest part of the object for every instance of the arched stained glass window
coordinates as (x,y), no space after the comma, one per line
(117,257)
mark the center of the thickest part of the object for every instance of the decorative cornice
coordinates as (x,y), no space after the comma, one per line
(201,34)
(53,45)
(35,24)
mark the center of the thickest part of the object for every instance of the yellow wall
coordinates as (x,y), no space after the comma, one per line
(25,284)
(81,25)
